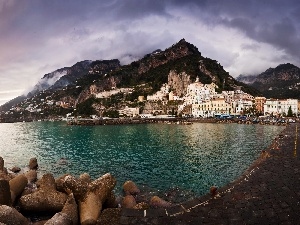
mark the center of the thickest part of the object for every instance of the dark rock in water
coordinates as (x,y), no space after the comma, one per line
(15,169)
(128,202)
(33,164)
(63,161)
(10,215)
(130,188)
(213,190)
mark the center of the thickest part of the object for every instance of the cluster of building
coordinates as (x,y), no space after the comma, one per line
(38,105)
(200,100)
(204,101)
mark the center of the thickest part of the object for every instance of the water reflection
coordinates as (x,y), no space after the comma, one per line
(157,156)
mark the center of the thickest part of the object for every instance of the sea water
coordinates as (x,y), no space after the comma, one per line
(160,158)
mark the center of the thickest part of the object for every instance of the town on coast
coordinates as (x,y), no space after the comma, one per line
(201,104)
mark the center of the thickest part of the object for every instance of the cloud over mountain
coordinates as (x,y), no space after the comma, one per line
(246,37)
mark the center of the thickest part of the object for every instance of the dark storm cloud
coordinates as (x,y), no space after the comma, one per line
(272,22)
(37,37)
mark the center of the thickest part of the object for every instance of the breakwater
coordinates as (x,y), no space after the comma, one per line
(172,120)
(122,121)
(25,200)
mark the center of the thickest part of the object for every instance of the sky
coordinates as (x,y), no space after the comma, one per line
(244,36)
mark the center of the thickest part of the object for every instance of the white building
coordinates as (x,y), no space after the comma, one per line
(131,112)
(147,115)
(212,107)
(206,102)
(198,92)
(277,107)
(242,105)
(160,95)
(107,94)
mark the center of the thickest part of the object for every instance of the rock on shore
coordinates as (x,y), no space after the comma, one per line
(66,200)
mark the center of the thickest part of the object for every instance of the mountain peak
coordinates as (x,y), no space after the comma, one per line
(279,82)
(183,44)
(286,66)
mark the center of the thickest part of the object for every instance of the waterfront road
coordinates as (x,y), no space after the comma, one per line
(267,193)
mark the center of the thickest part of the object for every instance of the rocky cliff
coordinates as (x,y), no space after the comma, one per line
(69,75)
(280,82)
(179,82)
(59,78)
(157,58)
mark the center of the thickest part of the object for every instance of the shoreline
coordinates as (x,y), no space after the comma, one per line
(131,216)
(167,120)
(175,120)
(246,200)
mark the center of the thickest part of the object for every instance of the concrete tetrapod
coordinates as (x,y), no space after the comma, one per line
(46,198)
(71,209)
(31,176)
(10,216)
(59,219)
(130,188)
(128,202)
(3,171)
(1,164)
(90,196)
(17,186)
(85,177)
(68,215)
(5,197)
(33,164)
(111,201)
(157,202)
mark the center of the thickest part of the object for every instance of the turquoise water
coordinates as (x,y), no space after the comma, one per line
(156,156)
